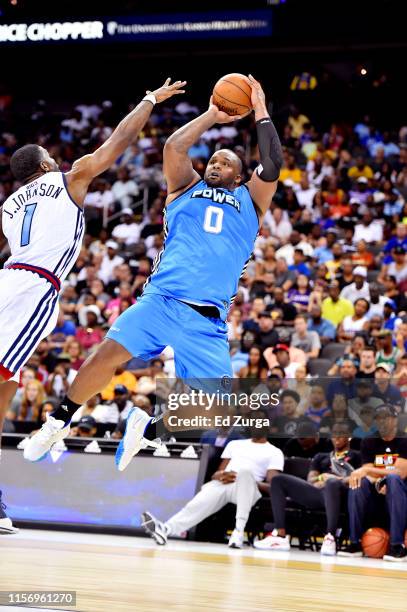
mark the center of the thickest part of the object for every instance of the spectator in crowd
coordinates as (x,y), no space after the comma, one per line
(117,409)
(63,329)
(256,368)
(386,352)
(352,324)
(86,428)
(367,427)
(334,307)
(90,334)
(288,358)
(74,350)
(247,468)
(307,442)
(267,335)
(285,425)
(61,378)
(326,488)
(316,323)
(110,261)
(318,407)
(384,389)
(339,413)
(299,294)
(345,384)
(121,377)
(31,403)
(128,231)
(302,338)
(359,288)
(278,302)
(360,169)
(364,397)
(147,383)
(380,483)
(124,190)
(396,268)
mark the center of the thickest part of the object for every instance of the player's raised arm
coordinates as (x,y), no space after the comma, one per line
(89,166)
(263,183)
(178,170)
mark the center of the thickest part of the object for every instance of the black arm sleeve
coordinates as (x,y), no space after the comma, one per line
(271,153)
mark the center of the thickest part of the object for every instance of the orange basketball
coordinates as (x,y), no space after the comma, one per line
(375,542)
(232,94)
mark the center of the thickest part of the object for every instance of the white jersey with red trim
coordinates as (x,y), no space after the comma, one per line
(43,225)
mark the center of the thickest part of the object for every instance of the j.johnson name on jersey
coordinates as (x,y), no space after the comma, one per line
(217,195)
(33,190)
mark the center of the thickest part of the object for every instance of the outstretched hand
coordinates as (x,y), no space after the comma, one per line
(258,96)
(221,116)
(168,90)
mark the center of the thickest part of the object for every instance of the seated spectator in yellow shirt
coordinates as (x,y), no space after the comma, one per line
(360,169)
(121,377)
(335,308)
(296,122)
(291,171)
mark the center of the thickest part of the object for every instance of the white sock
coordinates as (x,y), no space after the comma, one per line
(240,524)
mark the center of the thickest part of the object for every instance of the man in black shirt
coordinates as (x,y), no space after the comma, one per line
(367,366)
(285,425)
(267,335)
(383,472)
(326,487)
(307,442)
(289,310)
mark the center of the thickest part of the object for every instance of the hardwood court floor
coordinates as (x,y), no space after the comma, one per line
(115,574)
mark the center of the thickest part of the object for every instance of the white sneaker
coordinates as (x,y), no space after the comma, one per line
(50,433)
(155,528)
(7,527)
(133,440)
(328,547)
(236,539)
(273,542)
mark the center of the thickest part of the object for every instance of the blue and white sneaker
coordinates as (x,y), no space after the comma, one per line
(133,440)
(6,526)
(40,443)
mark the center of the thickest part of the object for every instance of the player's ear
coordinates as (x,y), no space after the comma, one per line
(238,179)
(44,166)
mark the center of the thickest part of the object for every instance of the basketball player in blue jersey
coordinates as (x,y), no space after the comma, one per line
(210,228)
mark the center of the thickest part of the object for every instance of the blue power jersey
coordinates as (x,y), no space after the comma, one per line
(209,238)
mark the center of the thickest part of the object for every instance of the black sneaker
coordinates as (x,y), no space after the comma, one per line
(6,526)
(397,552)
(354,549)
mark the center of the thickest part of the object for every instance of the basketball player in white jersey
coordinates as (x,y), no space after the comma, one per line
(43,223)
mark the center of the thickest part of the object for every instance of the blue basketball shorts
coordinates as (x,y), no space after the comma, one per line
(200,343)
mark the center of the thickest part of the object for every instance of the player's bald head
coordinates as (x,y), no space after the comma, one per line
(232,157)
(224,169)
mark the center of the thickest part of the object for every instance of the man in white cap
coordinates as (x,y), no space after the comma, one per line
(128,231)
(109,262)
(359,288)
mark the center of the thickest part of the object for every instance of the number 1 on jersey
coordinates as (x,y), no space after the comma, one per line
(26,229)
(213,220)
